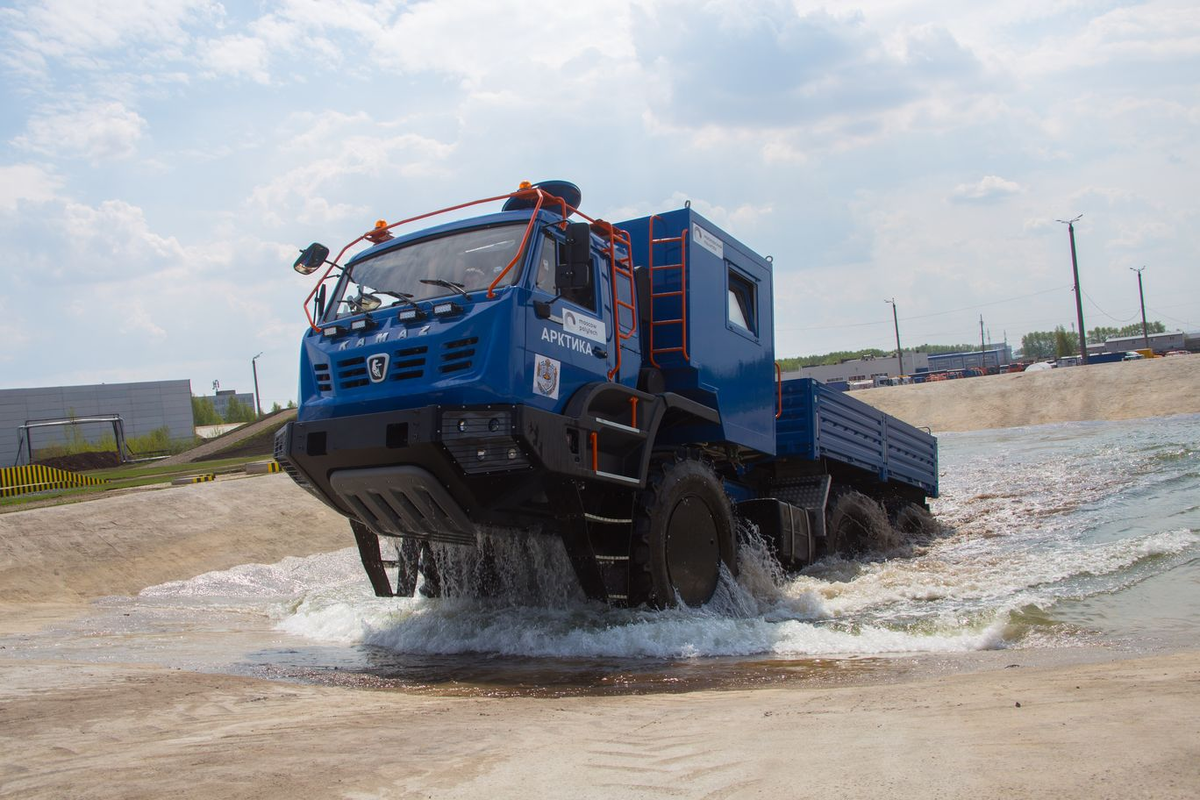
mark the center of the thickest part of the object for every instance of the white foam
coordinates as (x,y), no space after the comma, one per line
(1033,522)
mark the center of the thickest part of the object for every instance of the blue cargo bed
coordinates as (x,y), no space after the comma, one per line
(820,422)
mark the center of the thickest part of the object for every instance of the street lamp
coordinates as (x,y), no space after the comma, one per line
(254,367)
(1070,223)
(896,322)
(1142,298)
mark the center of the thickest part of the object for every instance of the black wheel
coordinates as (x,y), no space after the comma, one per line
(683,532)
(915,522)
(854,520)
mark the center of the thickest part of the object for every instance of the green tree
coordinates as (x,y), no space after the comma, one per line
(276,408)
(238,412)
(204,413)
(1101,333)
(1037,345)
(1065,344)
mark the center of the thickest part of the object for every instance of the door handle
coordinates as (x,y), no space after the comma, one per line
(599,352)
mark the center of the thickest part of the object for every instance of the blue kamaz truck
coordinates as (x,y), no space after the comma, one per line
(534,371)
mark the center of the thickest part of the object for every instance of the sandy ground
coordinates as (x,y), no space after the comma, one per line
(1124,390)
(1122,728)
(53,560)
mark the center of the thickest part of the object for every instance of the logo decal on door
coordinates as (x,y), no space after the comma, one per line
(545,376)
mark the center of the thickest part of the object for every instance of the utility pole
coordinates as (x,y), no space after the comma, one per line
(982,346)
(1142,298)
(257,401)
(896,322)
(1070,223)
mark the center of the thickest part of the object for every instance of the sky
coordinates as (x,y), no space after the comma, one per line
(162,161)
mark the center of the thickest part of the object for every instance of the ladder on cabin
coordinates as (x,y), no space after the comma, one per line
(679,317)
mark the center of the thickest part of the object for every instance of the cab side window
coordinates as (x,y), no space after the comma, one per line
(743,302)
(547,261)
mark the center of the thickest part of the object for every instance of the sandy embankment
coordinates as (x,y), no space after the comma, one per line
(52,560)
(1118,729)
(1124,390)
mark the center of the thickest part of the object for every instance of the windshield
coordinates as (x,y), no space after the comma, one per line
(471,260)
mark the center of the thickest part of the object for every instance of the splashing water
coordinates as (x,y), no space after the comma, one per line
(1035,521)
(1051,535)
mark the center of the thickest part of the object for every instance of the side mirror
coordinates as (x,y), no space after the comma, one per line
(574,270)
(311,259)
(320,302)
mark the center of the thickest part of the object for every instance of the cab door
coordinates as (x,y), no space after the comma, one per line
(569,337)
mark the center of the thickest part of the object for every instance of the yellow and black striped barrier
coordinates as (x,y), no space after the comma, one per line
(36,478)
(262,467)
(190,479)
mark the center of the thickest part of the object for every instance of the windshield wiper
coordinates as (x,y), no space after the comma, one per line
(445,284)
(403,297)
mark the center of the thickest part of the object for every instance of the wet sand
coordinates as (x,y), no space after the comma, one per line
(1112,730)
(1127,725)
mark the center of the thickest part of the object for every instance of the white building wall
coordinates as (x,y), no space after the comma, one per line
(863,368)
(143,407)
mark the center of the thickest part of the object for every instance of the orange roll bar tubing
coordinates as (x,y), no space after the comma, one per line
(541,196)
(612,233)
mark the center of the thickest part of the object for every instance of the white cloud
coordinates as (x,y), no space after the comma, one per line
(77,30)
(113,241)
(99,132)
(237,56)
(988,189)
(308,193)
(26,182)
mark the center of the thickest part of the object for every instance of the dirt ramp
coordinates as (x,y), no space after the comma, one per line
(120,545)
(1123,390)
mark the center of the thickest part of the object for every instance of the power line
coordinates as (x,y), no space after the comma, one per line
(1175,319)
(985,305)
(927,316)
(1105,313)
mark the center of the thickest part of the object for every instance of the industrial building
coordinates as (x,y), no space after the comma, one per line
(1159,343)
(143,408)
(221,400)
(863,369)
(993,357)
(915,364)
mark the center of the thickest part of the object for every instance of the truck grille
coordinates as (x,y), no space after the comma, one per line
(352,373)
(458,355)
(321,373)
(409,363)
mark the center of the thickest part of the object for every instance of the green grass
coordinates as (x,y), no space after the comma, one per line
(129,477)
(157,441)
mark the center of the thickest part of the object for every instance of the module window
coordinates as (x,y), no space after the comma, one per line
(743,302)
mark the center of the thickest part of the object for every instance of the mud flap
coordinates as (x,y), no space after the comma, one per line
(372,561)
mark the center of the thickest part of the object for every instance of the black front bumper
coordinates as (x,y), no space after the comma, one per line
(438,471)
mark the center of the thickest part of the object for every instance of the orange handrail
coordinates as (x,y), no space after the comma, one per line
(607,230)
(531,192)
